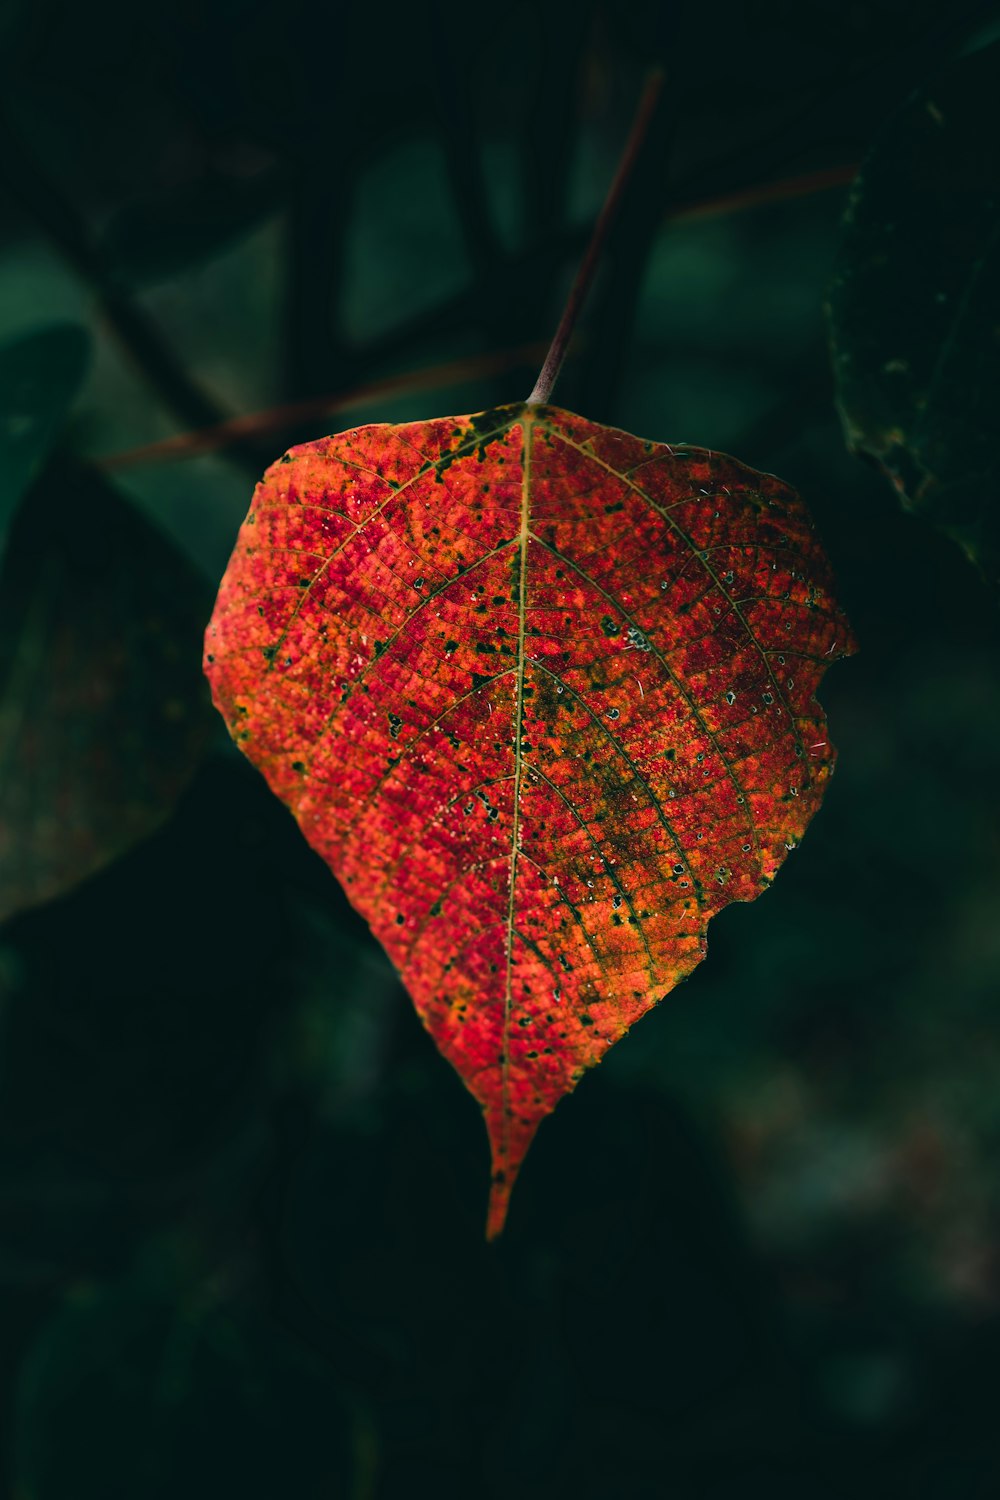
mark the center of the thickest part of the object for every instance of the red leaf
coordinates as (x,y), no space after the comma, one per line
(541,694)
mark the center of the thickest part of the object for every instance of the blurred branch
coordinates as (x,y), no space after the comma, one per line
(212,436)
(453,81)
(41,198)
(536,265)
(799,186)
(545,145)
(317,218)
(297,413)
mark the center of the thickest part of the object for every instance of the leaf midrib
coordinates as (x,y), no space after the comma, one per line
(523,537)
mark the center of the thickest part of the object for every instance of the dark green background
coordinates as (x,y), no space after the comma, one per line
(241,1197)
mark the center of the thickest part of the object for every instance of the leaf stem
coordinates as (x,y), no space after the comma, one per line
(588,266)
(223,435)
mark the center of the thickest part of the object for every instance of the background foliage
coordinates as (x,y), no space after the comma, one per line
(241,1197)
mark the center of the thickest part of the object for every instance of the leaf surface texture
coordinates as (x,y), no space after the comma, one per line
(542,695)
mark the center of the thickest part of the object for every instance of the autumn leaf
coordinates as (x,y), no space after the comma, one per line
(915,306)
(541,695)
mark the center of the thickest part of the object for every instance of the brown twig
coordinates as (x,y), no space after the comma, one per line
(221,435)
(766,192)
(276,418)
(588,266)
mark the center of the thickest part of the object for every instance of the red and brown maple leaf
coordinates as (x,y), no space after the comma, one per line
(542,696)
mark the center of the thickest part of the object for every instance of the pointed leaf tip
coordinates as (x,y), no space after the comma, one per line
(510,1134)
(496,1214)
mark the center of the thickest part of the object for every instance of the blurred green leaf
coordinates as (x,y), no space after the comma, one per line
(915,306)
(40,373)
(102,714)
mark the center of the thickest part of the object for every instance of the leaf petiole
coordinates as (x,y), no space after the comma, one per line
(581,286)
